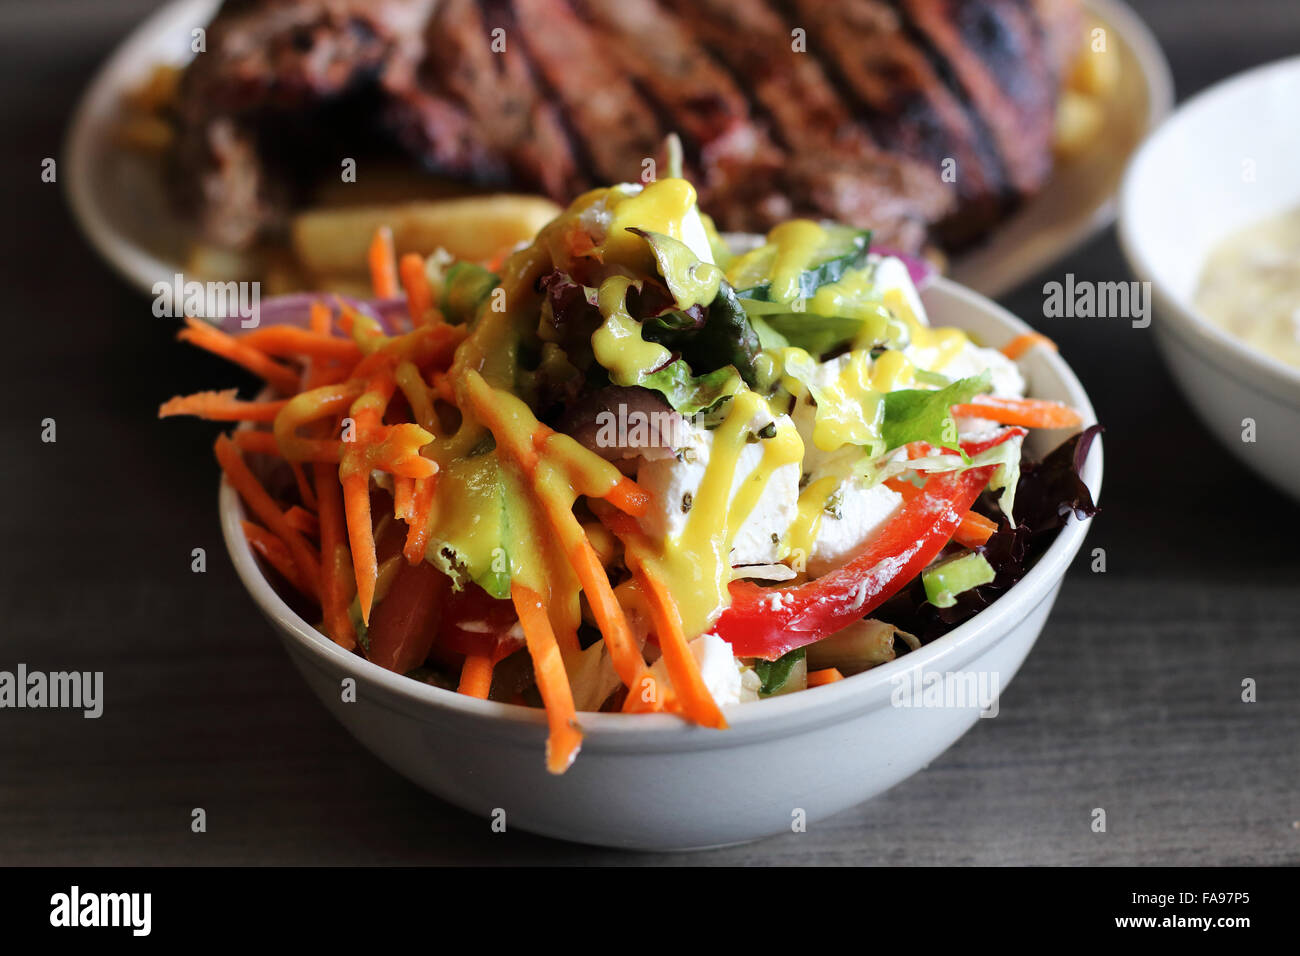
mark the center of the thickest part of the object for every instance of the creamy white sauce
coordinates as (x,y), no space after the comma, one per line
(1250,286)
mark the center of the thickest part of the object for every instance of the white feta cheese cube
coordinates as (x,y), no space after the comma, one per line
(674,483)
(719,669)
(859,513)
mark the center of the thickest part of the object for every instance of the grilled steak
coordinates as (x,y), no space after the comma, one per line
(924,119)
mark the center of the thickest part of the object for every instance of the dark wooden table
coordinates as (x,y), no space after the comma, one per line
(1130,701)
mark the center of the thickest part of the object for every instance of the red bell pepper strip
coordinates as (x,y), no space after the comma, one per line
(770,622)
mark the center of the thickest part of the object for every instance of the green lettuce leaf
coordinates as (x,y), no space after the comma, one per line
(921,415)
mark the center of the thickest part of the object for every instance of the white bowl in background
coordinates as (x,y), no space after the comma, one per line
(1228,157)
(653,782)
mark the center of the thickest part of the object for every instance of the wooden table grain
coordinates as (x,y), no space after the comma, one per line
(1131,700)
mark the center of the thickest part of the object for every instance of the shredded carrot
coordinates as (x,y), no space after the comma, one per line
(383,264)
(258,442)
(623,650)
(361,536)
(441,384)
(422,505)
(565,738)
(200,333)
(336,562)
(300,519)
(684,671)
(221,406)
(645,696)
(276,554)
(305,491)
(1030,412)
(628,497)
(255,496)
(1023,343)
(320,318)
(419,294)
(403,497)
(828,675)
(288,341)
(974,530)
(476,675)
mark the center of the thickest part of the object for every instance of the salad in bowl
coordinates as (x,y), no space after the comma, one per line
(629,469)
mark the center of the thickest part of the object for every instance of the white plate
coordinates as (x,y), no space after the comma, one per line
(119,200)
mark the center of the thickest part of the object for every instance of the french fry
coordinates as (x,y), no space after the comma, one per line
(1079,120)
(334,241)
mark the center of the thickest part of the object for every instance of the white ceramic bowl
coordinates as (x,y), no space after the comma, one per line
(653,782)
(1228,157)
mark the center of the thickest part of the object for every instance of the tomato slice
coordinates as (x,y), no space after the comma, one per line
(477,623)
(406,622)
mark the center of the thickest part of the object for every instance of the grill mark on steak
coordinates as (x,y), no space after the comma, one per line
(832,168)
(692,94)
(1001,73)
(906,102)
(618,127)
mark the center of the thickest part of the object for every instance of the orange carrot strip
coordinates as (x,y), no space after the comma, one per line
(441,384)
(1023,343)
(827,675)
(255,496)
(312,406)
(565,738)
(623,650)
(628,497)
(646,696)
(197,332)
(625,494)
(261,443)
(476,675)
(696,701)
(1030,412)
(974,530)
(383,264)
(276,554)
(361,536)
(320,318)
(368,414)
(221,407)
(336,563)
(304,486)
(403,497)
(300,519)
(417,533)
(419,294)
(288,341)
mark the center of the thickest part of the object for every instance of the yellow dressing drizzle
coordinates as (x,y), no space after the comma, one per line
(802,533)
(618,344)
(696,563)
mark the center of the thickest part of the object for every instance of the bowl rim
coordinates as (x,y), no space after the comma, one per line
(1213,342)
(825,702)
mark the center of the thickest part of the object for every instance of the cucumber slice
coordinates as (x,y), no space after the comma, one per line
(790,266)
(819,334)
(946,580)
(465,288)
